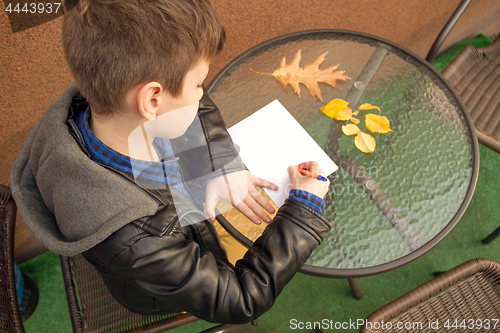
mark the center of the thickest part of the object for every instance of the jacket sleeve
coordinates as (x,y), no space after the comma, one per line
(188,278)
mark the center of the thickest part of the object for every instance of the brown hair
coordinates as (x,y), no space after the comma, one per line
(113,45)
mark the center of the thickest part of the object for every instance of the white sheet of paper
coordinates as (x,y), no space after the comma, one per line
(270,140)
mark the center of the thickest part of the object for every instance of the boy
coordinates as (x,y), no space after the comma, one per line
(134,207)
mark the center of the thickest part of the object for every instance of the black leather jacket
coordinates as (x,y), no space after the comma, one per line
(154,266)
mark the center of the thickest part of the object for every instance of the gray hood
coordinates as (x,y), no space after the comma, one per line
(63,196)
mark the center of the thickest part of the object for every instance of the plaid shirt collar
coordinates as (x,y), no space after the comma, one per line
(165,172)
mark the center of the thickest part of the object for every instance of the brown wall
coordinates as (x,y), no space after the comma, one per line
(33,72)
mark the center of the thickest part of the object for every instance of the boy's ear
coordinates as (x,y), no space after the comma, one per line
(149,99)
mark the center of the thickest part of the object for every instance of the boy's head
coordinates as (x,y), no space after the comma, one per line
(112,46)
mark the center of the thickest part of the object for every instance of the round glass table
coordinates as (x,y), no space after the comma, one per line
(388,207)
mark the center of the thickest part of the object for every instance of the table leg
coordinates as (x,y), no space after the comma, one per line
(356,290)
(366,75)
(382,201)
(492,236)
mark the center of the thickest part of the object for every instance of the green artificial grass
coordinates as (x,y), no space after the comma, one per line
(314,299)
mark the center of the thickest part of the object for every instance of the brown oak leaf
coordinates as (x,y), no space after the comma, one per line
(309,76)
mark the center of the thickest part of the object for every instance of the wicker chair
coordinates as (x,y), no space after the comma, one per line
(469,291)
(12,315)
(475,75)
(93,309)
(249,328)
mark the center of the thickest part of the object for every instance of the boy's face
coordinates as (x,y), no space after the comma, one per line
(178,113)
(192,89)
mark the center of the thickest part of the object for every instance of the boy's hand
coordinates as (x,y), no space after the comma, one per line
(306,183)
(238,188)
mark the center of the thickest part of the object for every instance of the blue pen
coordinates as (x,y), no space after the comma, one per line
(312,175)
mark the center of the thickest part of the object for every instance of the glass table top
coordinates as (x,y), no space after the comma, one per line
(388,207)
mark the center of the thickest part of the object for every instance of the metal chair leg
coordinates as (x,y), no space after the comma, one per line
(356,290)
(492,236)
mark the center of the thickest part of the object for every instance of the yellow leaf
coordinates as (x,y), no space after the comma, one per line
(365,142)
(337,109)
(344,115)
(350,129)
(292,74)
(377,124)
(355,120)
(368,106)
(337,103)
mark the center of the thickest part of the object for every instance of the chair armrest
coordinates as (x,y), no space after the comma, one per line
(446,30)
(432,288)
